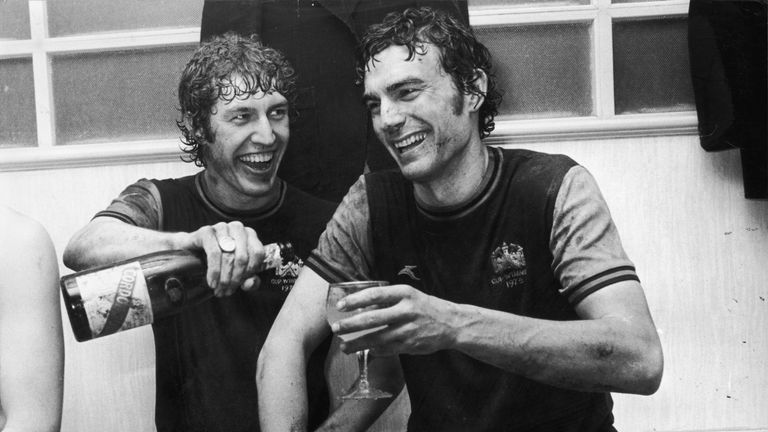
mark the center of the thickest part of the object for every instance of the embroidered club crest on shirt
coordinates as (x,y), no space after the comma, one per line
(291,269)
(285,275)
(508,261)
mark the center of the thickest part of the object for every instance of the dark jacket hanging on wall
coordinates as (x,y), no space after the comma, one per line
(331,138)
(727,43)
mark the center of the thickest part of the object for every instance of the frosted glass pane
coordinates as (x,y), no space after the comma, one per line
(17,103)
(650,62)
(14,19)
(504,3)
(544,70)
(125,95)
(87,16)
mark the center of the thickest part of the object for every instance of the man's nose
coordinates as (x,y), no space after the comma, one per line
(391,116)
(262,133)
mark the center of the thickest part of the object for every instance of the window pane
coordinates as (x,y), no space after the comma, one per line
(17,104)
(14,19)
(650,62)
(544,70)
(503,3)
(125,95)
(87,16)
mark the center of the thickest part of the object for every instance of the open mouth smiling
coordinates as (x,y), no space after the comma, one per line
(409,142)
(258,161)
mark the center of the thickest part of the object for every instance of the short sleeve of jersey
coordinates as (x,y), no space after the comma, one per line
(139,205)
(585,243)
(344,251)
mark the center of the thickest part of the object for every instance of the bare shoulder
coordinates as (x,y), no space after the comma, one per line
(19,230)
(27,255)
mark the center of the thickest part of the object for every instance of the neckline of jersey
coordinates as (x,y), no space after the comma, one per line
(490,178)
(232,214)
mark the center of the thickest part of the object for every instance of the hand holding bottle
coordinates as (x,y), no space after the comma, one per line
(234,254)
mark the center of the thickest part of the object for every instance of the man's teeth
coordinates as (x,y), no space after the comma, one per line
(410,140)
(257,157)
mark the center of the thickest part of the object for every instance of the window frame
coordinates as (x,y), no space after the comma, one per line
(604,123)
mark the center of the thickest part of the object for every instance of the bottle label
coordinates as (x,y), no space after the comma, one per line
(115,299)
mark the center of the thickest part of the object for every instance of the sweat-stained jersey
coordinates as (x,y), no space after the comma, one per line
(206,355)
(535,240)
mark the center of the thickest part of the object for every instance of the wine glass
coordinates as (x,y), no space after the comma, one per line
(337,291)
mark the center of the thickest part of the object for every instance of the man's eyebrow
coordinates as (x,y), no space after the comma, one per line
(235,108)
(403,83)
(391,88)
(249,109)
(282,104)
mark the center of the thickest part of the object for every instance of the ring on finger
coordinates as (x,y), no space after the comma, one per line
(227,244)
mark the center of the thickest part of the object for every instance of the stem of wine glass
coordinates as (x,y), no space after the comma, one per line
(362,364)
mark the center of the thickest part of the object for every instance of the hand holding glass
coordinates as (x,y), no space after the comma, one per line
(337,291)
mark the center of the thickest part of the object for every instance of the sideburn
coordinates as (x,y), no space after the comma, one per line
(208,138)
(458,103)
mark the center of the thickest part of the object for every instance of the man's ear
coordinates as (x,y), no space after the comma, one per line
(480,82)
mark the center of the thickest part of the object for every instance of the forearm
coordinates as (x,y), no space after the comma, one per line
(283,402)
(281,380)
(588,355)
(298,329)
(106,240)
(281,371)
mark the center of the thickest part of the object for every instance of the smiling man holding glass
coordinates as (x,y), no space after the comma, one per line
(511,304)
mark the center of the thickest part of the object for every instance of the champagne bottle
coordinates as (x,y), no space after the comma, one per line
(139,291)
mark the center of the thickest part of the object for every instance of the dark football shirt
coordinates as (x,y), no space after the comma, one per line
(206,355)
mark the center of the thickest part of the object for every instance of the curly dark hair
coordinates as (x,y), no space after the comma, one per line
(209,76)
(461,54)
